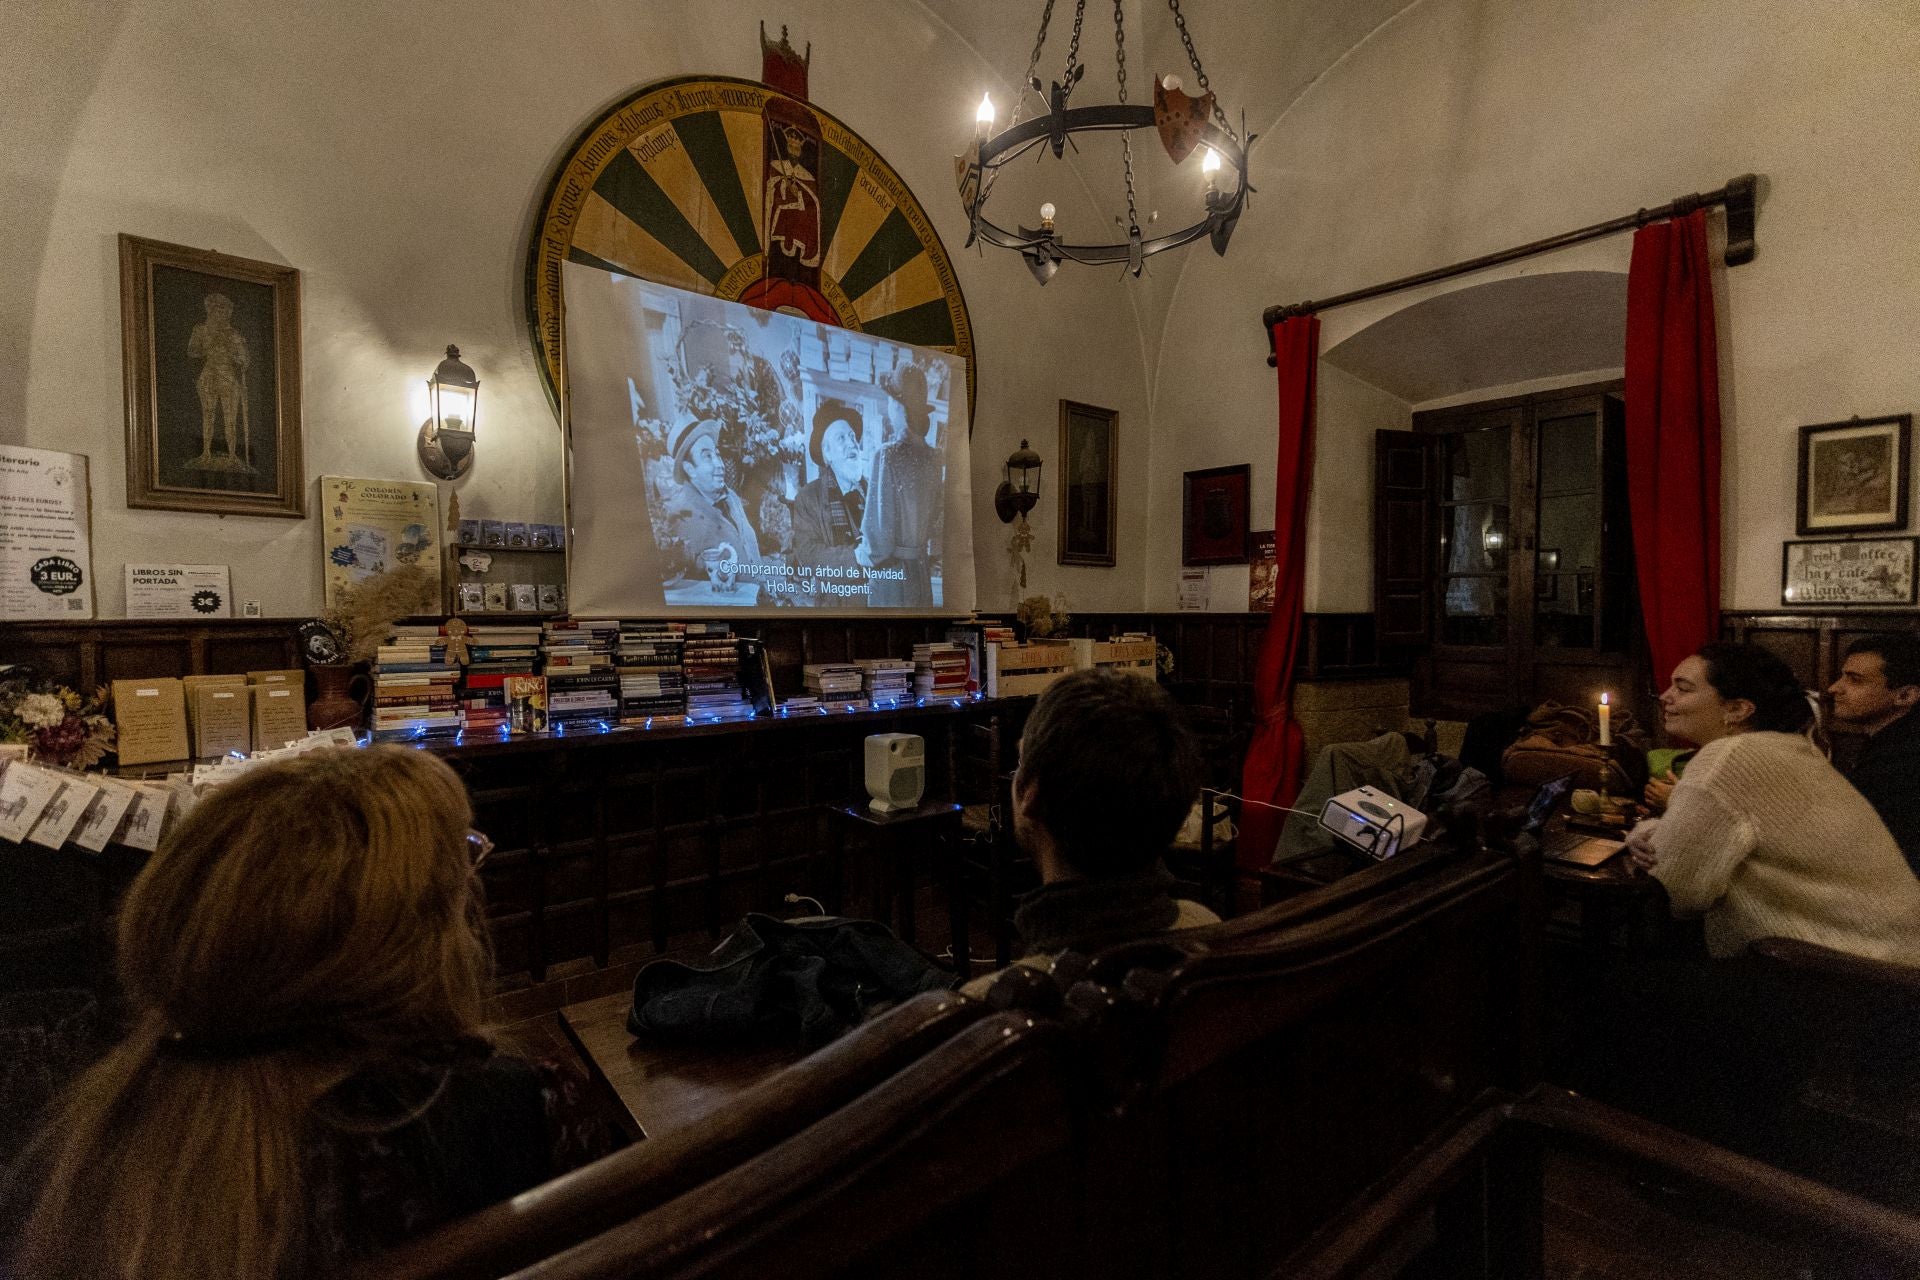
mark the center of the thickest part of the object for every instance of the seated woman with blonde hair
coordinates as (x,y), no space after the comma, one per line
(1762,836)
(307,1077)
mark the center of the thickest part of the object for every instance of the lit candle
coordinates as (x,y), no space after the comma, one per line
(983,119)
(1210,169)
(1606,722)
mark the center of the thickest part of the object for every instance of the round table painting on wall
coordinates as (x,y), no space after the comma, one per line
(729,188)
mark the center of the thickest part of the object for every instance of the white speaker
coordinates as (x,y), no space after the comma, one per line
(896,771)
(1373,822)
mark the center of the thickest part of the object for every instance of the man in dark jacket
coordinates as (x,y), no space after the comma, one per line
(827,511)
(1878,688)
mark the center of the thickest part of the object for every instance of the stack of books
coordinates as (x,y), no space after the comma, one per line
(583,689)
(493,654)
(646,657)
(834,685)
(711,664)
(889,681)
(414,686)
(940,670)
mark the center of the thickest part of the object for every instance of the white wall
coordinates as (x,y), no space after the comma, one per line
(1465,126)
(395,153)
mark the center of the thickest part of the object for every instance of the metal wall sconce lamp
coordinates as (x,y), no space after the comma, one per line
(1021,489)
(447,437)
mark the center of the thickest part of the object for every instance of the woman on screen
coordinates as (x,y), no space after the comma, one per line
(903,516)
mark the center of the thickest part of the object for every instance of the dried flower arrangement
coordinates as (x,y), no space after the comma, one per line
(363,614)
(57,724)
(1043,616)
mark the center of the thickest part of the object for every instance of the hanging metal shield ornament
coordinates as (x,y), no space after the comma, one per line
(1180,119)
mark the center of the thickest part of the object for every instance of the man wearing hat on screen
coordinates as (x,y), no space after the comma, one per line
(827,511)
(707,520)
(901,525)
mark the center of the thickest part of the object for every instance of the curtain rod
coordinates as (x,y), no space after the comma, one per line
(1737,196)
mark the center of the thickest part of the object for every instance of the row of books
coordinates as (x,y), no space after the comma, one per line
(415,686)
(865,682)
(710,661)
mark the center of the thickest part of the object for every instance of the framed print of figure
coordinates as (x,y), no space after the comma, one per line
(1854,475)
(1213,515)
(211,350)
(1089,483)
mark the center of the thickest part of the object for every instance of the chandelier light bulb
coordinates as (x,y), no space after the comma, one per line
(1046,215)
(1170,82)
(1211,162)
(985,114)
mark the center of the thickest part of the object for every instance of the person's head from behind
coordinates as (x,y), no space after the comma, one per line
(299,923)
(1107,774)
(1879,681)
(1726,688)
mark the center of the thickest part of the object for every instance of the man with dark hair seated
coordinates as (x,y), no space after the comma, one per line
(1878,688)
(1107,774)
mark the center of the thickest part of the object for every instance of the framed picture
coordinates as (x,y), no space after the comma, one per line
(1213,515)
(1871,571)
(1853,475)
(211,346)
(1089,483)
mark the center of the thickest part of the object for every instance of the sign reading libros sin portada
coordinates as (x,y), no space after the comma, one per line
(178,591)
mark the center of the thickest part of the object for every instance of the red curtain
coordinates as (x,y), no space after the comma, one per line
(1276,760)
(1673,438)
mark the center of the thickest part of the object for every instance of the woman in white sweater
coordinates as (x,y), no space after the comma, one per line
(1762,836)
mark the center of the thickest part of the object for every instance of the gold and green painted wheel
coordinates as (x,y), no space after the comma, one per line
(729,188)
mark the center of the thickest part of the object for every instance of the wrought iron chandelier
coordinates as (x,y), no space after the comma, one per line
(1183,124)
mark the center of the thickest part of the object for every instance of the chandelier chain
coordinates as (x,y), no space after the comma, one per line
(1073,46)
(1126,136)
(1033,61)
(1193,57)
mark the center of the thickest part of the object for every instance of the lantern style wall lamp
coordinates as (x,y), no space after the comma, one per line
(447,436)
(1021,489)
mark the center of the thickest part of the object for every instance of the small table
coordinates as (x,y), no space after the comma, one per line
(1606,896)
(896,837)
(663,1087)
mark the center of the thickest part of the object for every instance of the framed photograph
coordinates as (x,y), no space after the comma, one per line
(1213,515)
(1853,475)
(211,350)
(1870,571)
(1089,483)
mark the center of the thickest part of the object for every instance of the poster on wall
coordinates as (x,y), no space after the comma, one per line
(376,525)
(1872,571)
(1262,571)
(45,565)
(178,591)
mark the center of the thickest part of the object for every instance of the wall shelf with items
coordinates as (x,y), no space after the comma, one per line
(497,580)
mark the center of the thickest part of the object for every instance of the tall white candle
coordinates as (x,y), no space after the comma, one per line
(1606,722)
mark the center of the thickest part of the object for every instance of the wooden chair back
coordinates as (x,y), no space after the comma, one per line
(631,1182)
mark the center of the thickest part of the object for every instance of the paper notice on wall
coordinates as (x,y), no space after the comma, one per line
(178,591)
(46,568)
(1196,589)
(376,525)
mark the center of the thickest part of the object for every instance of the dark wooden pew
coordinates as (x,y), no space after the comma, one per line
(642,1177)
(964,1166)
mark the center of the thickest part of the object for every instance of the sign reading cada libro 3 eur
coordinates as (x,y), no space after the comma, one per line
(45,563)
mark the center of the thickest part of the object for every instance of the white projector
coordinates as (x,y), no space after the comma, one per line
(1371,821)
(896,771)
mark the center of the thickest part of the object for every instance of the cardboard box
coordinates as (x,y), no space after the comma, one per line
(151,716)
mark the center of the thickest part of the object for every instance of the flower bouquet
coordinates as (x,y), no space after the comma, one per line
(58,726)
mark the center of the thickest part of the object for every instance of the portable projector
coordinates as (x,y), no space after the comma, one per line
(1371,821)
(896,771)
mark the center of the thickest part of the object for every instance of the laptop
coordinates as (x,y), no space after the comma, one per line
(1547,822)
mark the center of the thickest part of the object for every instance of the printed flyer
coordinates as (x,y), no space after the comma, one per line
(374,525)
(46,567)
(178,591)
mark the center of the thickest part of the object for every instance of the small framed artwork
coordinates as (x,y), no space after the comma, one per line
(1854,475)
(1869,571)
(211,366)
(1089,483)
(1213,515)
